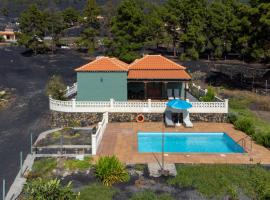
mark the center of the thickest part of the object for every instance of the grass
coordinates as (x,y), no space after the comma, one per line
(216,181)
(149,195)
(43,168)
(57,134)
(240,103)
(97,191)
(72,164)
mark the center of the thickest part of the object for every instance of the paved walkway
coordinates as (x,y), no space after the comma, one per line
(121,139)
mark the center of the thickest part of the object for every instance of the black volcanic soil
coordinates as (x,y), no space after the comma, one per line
(29,112)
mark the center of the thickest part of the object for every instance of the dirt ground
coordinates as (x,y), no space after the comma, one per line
(27,77)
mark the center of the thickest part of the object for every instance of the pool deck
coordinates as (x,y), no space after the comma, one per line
(120,139)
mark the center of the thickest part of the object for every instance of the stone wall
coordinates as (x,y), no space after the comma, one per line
(208,117)
(59,119)
(131,117)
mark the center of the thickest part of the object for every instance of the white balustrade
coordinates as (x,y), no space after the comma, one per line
(96,138)
(132,106)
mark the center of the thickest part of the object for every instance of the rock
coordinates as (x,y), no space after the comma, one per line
(155,169)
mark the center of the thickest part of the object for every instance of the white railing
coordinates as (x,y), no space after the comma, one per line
(96,138)
(132,106)
(70,91)
(203,92)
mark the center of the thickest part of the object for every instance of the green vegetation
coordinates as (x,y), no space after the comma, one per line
(149,195)
(209,96)
(43,168)
(215,181)
(110,170)
(70,16)
(72,164)
(192,29)
(245,119)
(97,191)
(56,87)
(2,39)
(88,38)
(48,190)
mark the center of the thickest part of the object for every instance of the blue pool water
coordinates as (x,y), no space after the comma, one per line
(187,142)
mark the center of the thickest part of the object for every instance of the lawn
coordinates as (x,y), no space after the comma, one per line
(217,181)
(192,182)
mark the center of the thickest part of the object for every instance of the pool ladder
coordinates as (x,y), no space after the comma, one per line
(243,143)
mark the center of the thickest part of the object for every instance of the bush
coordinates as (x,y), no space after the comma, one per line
(246,125)
(262,138)
(232,117)
(56,88)
(209,96)
(110,170)
(43,168)
(48,190)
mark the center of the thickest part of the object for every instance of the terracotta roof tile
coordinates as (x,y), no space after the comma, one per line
(154,62)
(104,64)
(158,74)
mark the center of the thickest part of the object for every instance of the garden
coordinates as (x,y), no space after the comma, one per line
(107,178)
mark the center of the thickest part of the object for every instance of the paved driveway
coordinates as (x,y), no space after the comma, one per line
(29,113)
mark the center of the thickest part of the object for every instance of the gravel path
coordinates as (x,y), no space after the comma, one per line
(29,112)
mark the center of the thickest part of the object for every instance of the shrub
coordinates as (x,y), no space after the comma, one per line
(48,190)
(56,88)
(246,125)
(110,170)
(232,117)
(262,138)
(43,168)
(209,96)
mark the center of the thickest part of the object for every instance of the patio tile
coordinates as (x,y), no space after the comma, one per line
(120,139)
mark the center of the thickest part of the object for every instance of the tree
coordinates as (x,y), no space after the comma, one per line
(222,29)
(54,26)
(91,25)
(48,190)
(56,88)
(33,27)
(156,32)
(5,11)
(128,31)
(70,16)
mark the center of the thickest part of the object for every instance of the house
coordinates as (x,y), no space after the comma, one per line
(151,77)
(8,34)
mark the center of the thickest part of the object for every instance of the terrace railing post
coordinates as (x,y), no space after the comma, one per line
(111,103)
(149,104)
(94,144)
(106,117)
(226,105)
(4,189)
(73,105)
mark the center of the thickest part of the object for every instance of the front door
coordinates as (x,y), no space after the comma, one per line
(154,90)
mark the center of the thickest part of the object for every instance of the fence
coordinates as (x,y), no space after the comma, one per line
(71,91)
(96,138)
(198,92)
(132,106)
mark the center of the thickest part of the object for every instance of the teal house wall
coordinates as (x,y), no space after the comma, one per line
(102,86)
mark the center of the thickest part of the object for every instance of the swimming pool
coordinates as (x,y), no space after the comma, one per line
(179,142)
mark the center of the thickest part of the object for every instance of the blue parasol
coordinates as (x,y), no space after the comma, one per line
(179,104)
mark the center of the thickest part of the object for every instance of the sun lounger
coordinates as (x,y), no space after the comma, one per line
(186,120)
(168,118)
